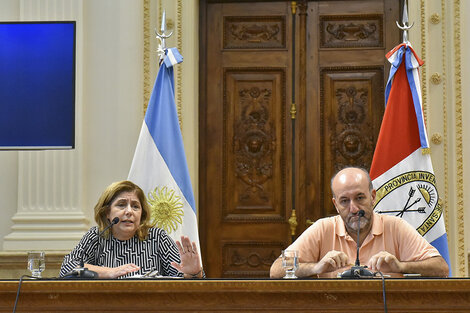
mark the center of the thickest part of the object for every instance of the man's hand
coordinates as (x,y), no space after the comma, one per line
(388,263)
(332,261)
(385,262)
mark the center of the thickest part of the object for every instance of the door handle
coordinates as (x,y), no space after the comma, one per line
(308,222)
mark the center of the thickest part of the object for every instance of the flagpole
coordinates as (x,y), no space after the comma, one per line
(405,25)
(161,37)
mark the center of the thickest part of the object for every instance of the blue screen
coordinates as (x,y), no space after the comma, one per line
(37,85)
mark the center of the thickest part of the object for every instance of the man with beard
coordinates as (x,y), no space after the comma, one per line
(387,243)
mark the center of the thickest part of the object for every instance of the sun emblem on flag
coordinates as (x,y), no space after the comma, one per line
(166,208)
(420,200)
(428,193)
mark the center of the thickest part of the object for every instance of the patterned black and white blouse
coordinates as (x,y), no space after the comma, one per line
(154,253)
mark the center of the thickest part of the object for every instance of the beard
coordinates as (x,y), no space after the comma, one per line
(353,220)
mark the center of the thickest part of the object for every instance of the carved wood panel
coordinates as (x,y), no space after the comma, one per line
(249,259)
(251,32)
(346,72)
(245,147)
(254,182)
(352,105)
(351,31)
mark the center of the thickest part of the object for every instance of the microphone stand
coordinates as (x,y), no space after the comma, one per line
(357,271)
(82,272)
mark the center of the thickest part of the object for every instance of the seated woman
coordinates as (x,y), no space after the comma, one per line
(131,246)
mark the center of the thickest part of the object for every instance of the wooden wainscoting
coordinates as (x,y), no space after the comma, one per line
(206,295)
(14,264)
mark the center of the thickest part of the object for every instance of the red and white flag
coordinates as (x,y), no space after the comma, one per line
(401,169)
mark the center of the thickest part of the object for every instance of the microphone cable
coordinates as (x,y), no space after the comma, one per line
(18,291)
(383,290)
(20,283)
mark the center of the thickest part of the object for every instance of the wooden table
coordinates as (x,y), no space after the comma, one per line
(178,295)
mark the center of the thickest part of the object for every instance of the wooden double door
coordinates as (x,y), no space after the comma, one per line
(289,94)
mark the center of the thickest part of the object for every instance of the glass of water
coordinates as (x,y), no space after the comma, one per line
(36,263)
(290,262)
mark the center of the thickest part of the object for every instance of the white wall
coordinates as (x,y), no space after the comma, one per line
(443,44)
(112,91)
(9,11)
(109,99)
(8,191)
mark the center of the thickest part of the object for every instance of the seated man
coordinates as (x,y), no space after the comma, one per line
(387,243)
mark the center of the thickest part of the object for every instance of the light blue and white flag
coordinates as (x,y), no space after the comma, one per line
(159,166)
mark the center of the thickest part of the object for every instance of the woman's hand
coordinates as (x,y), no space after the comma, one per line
(113,272)
(190,261)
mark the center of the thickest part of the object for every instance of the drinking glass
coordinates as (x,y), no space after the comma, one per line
(290,262)
(36,263)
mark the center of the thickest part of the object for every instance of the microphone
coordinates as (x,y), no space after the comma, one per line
(357,271)
(82,271)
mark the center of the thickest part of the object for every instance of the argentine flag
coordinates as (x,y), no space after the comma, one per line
(401,169)
(159,166)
